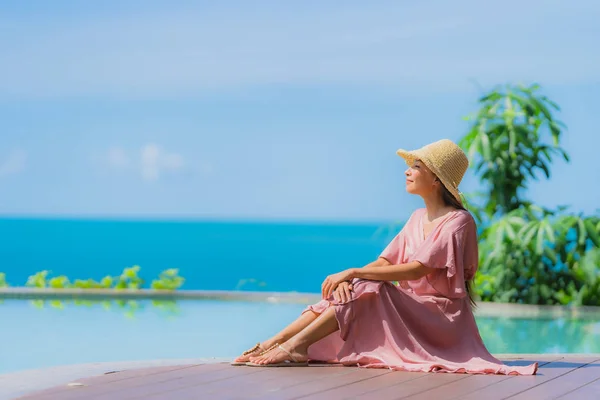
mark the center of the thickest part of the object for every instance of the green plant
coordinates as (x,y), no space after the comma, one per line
(86,284)
(59,282)
(38,280)
(528,254)
(538,256)
(168,280)
(129,279)
(3,282)
(508,143)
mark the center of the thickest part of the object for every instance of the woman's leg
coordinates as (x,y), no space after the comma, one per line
(284,335)
(298,345)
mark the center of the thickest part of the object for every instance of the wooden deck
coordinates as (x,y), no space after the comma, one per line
(568,378)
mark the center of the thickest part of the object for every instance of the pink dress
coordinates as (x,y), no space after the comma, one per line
(424,325)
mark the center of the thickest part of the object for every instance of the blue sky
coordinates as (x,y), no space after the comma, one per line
(272,109)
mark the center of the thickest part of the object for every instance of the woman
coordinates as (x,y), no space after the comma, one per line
(425,323)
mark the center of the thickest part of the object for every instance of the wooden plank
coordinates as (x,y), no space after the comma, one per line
(111,386)
(195,384)
(429,380)
(279,380)
(517,384)
(355,389)
(106,378)
(587,392)
(474,382)
(335,381)
(144,388)
(564,384)
(413,388)
(571,378)
(269,381)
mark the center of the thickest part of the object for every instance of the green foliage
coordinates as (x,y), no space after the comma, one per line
(537,256)
(168,280)
(59,282)
(507,143)
(129,279)
(528,254)
(38,280)
(3,282)
(87,284)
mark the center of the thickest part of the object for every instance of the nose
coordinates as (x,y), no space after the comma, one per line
(407,172)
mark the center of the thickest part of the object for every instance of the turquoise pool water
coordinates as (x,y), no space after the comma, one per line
(38,334)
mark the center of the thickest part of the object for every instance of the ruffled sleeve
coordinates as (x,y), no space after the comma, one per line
(453,252)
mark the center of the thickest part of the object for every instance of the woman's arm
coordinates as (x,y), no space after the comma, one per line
(402,272)
(380,262)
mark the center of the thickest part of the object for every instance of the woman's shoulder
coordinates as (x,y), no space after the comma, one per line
(417,214)
(461,219)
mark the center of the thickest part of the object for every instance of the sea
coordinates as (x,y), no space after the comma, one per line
(249,256)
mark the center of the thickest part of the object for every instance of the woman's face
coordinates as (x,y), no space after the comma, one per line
(420,180)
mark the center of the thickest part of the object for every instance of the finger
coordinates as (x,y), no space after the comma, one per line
(347,293)
(324,288)
(350,287)
(335,288)
(336,297)
(343,295)
(330,289)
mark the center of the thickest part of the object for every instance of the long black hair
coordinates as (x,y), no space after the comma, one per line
(452,201)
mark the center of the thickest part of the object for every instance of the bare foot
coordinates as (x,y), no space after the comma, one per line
(278,355)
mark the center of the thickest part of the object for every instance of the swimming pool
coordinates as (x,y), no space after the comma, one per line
(37,334)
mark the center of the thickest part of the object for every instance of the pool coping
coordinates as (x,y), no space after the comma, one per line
(20,383)
(484,309)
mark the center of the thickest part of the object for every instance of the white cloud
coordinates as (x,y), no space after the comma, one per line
(150,161)
(13,164)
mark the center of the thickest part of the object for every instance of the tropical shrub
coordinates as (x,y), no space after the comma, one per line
(129,279)
(528,254)
(168,280)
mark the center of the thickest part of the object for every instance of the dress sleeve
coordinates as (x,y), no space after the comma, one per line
(395,249)
(454,254)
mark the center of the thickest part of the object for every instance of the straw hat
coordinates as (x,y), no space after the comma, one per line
(445,159)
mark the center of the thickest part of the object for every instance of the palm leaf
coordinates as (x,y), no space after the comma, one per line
(592,232)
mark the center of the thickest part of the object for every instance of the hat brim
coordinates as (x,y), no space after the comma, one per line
(410,156)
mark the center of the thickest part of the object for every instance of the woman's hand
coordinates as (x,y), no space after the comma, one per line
(342,293)
(332,282)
